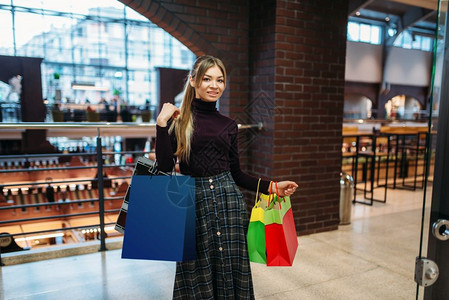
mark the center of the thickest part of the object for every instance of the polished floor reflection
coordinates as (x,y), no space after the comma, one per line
(372,258)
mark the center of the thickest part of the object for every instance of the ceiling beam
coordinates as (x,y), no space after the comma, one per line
(410,18)
(414,15)
(356,5)
(429,4)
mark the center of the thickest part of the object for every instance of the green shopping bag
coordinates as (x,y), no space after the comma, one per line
(256,230)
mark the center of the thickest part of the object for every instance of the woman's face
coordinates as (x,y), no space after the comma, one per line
(211,85)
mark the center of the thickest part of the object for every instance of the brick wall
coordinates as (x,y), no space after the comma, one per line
(286,62)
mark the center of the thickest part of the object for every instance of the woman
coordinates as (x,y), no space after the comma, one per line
(205,143)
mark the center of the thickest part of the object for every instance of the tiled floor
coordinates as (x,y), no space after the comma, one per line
(373,258)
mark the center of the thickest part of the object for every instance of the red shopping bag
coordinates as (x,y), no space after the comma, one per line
(280,231)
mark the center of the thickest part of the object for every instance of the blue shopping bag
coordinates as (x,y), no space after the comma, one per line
(160,224)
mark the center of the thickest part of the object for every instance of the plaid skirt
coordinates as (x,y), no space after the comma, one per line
(222,268)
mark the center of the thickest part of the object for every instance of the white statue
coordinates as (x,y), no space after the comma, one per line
(15,88)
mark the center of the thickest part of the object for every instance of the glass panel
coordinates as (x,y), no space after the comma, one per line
(375,35)
(139,89)
(29,3)
(133,15)
(4,90)
(29,38)
(427,44)
(434,118)
(6,42)
(365,33)
(353,31)
(399,40)
(57,38)
(115,44)
(53,5)
(75,7)
(138,46)
(407,40)
(416,42)
(81,7)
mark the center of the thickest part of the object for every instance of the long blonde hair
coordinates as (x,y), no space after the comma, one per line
(183,124)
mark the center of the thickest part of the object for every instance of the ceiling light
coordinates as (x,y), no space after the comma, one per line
(88,86)
(387,19)
(357,13)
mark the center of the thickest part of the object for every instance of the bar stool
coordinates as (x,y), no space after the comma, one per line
(417,152)
(408,145)
(373,159)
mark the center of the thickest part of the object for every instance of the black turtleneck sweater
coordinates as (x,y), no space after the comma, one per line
(214,147)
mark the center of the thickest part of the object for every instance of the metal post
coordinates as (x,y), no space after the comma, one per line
(356,167)
(100,191)
(1,263)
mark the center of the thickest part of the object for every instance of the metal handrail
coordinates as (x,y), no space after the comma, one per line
(87,200)
(63,181)
(69,154)
(258,126)
(47,169)
(42,125)
(55,230)
(61,168)
(51,217)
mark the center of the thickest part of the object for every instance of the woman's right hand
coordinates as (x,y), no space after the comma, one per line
(168,111)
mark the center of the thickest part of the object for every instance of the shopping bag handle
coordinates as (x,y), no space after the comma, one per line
(271,195)
(277,192)
(256,201)
(154,169)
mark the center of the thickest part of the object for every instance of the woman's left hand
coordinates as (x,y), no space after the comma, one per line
(286,188)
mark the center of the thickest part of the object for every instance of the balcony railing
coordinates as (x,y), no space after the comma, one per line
(88,186)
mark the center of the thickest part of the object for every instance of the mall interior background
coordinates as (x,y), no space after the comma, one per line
(302,69)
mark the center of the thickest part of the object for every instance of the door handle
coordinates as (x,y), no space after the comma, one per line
(440,229)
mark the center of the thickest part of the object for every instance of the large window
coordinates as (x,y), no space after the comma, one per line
(367,33)
(6,40)
(99,43)
(414,41)
(372,34)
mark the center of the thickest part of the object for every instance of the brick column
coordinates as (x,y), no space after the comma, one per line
(310,62)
